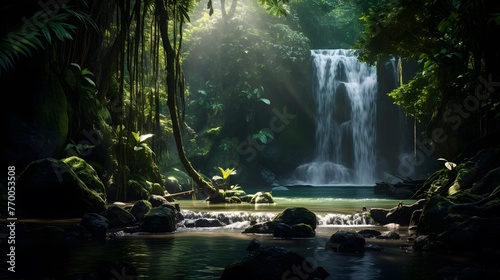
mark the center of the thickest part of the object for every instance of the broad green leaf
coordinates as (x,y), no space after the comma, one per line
(144,137)
(265,100)
(216,177)
(136,136)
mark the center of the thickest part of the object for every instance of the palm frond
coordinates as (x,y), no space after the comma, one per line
(32,34)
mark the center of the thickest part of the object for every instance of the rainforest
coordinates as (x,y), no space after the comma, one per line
(257,139)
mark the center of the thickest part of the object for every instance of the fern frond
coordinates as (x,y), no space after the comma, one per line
(20,42)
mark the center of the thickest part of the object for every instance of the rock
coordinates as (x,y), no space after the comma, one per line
(400,214)
(488,183)
(158,189)
(87,174)
(296,231)
(435,216)
(136,191)
(473,234)
(270,263)
(157,200)
(297,215)
(140,208)
(49,188)
(96,224)
(261,197)
(261,228)
(160,219)
(346,242)
(253,245)
(118,216)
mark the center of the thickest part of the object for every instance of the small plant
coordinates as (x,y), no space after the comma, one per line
(263,136)
(448,164)
(139,139)
(221,181)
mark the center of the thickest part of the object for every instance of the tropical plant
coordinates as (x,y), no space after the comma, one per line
(225,173)
(222,180)
(37,32)
(140,139)
(448,164)
(263,136)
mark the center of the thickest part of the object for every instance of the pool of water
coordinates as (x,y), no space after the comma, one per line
(202,253)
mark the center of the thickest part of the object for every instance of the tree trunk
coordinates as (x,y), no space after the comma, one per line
(172,96)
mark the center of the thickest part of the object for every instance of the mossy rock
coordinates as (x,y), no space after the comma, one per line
(262,197)
(87,174)
(158,189)
(136,191)
(179,177)
(49,188)
(296,215)
(466,172)
(145,164)
(159,219)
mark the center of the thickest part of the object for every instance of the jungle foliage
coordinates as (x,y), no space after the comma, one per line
(151,67)
(451,40)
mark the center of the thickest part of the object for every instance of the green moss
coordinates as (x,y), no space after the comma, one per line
(465,175)
(136,191)
(86,174)
(157,189)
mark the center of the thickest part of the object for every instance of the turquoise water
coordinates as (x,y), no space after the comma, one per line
(202,253)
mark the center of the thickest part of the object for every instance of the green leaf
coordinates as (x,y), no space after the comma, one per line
(265,100)
(136,136)
(216,177)
(226,172)
(144,137)
(90,81)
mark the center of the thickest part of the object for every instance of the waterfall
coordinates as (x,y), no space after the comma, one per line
(345,92)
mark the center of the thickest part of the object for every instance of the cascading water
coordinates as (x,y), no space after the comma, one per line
(345,92)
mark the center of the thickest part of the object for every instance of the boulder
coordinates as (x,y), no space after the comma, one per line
(118,216)
(346,242)
(261,228)
(400,214)
(296,231)
(157,200)
(262,197)
(140,208)
(87,174)
(49,188)
(297,215)
(160,219)
(270,263)
(95,224)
